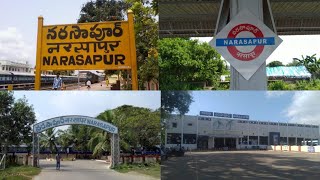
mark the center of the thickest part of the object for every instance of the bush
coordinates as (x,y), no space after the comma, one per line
(279,85)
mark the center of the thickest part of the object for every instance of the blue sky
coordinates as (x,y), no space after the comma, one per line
(49,104)
(283,106)
(19,19)
(18,29)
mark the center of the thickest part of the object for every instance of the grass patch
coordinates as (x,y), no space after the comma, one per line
(19,173)
(151,169)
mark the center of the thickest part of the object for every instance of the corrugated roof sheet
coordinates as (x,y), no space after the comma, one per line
(291,71)
(197,18)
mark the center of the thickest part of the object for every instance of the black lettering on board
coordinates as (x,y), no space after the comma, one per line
(119,58)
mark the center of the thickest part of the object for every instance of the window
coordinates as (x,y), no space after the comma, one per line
(189,124)
(173,138)
(189,138)
(2,67)
(174,125)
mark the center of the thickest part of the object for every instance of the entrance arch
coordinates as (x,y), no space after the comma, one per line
(76,120)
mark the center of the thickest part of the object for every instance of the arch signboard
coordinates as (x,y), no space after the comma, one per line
(87,46)
(72,120)
(76,120)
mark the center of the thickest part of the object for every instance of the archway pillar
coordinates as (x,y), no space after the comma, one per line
(115,150)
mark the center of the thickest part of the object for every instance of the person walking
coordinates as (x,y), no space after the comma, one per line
(58,159)
(57,82)
(107,82)
(88,84)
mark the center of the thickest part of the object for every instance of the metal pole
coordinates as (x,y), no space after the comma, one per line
(287,134)
(78,79)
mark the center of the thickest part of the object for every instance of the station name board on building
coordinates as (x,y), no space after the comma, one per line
(206,113)
(86,46)
(239,116)
(227,115)
(216,114)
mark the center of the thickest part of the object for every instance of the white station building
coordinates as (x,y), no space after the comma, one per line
(220,130)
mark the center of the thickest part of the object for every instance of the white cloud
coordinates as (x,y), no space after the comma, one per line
(305,108)
(274,94)
(14,47)
(49,104)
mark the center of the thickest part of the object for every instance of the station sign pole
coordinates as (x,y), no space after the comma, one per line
(134,73)
(37,84)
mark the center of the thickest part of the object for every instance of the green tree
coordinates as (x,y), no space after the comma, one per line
(294,63)
(80,137)
(100,140)
(312,64)
(175,101)
(103,10)
(146,36)
(65,139)
(275,64)
(146,30)
(183,63)
(48,139)
(16,119)
(137,126)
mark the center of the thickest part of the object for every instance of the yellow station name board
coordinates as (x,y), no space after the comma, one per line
(87,46)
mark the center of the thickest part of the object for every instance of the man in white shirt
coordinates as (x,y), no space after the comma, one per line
(57,82)
(89,84)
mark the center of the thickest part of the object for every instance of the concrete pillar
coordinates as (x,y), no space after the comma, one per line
(182,124)
(247,140)
(213,142)
(304,141)
(224,142)
(296,141)
(237,143)
(258,140)
(258,81)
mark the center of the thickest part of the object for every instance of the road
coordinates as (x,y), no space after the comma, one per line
(242,165)
(94,87)
(84,170)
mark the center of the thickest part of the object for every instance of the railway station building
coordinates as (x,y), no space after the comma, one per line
(234,131)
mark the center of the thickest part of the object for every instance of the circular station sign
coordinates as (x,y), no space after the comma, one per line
(245,42)
(238,54)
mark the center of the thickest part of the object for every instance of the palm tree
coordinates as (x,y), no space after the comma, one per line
(65,139)
(48,139)
(100,140)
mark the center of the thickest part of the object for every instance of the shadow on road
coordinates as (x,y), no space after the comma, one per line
(230,165)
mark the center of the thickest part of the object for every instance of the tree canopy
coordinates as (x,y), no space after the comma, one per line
(275,64)
(311,63)
(145,26)
(175,101)
(16,119)
(184,63)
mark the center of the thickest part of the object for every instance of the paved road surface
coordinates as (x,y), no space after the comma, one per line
(242,165)
(84,170)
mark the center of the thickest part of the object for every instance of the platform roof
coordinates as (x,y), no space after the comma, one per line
(197,18)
